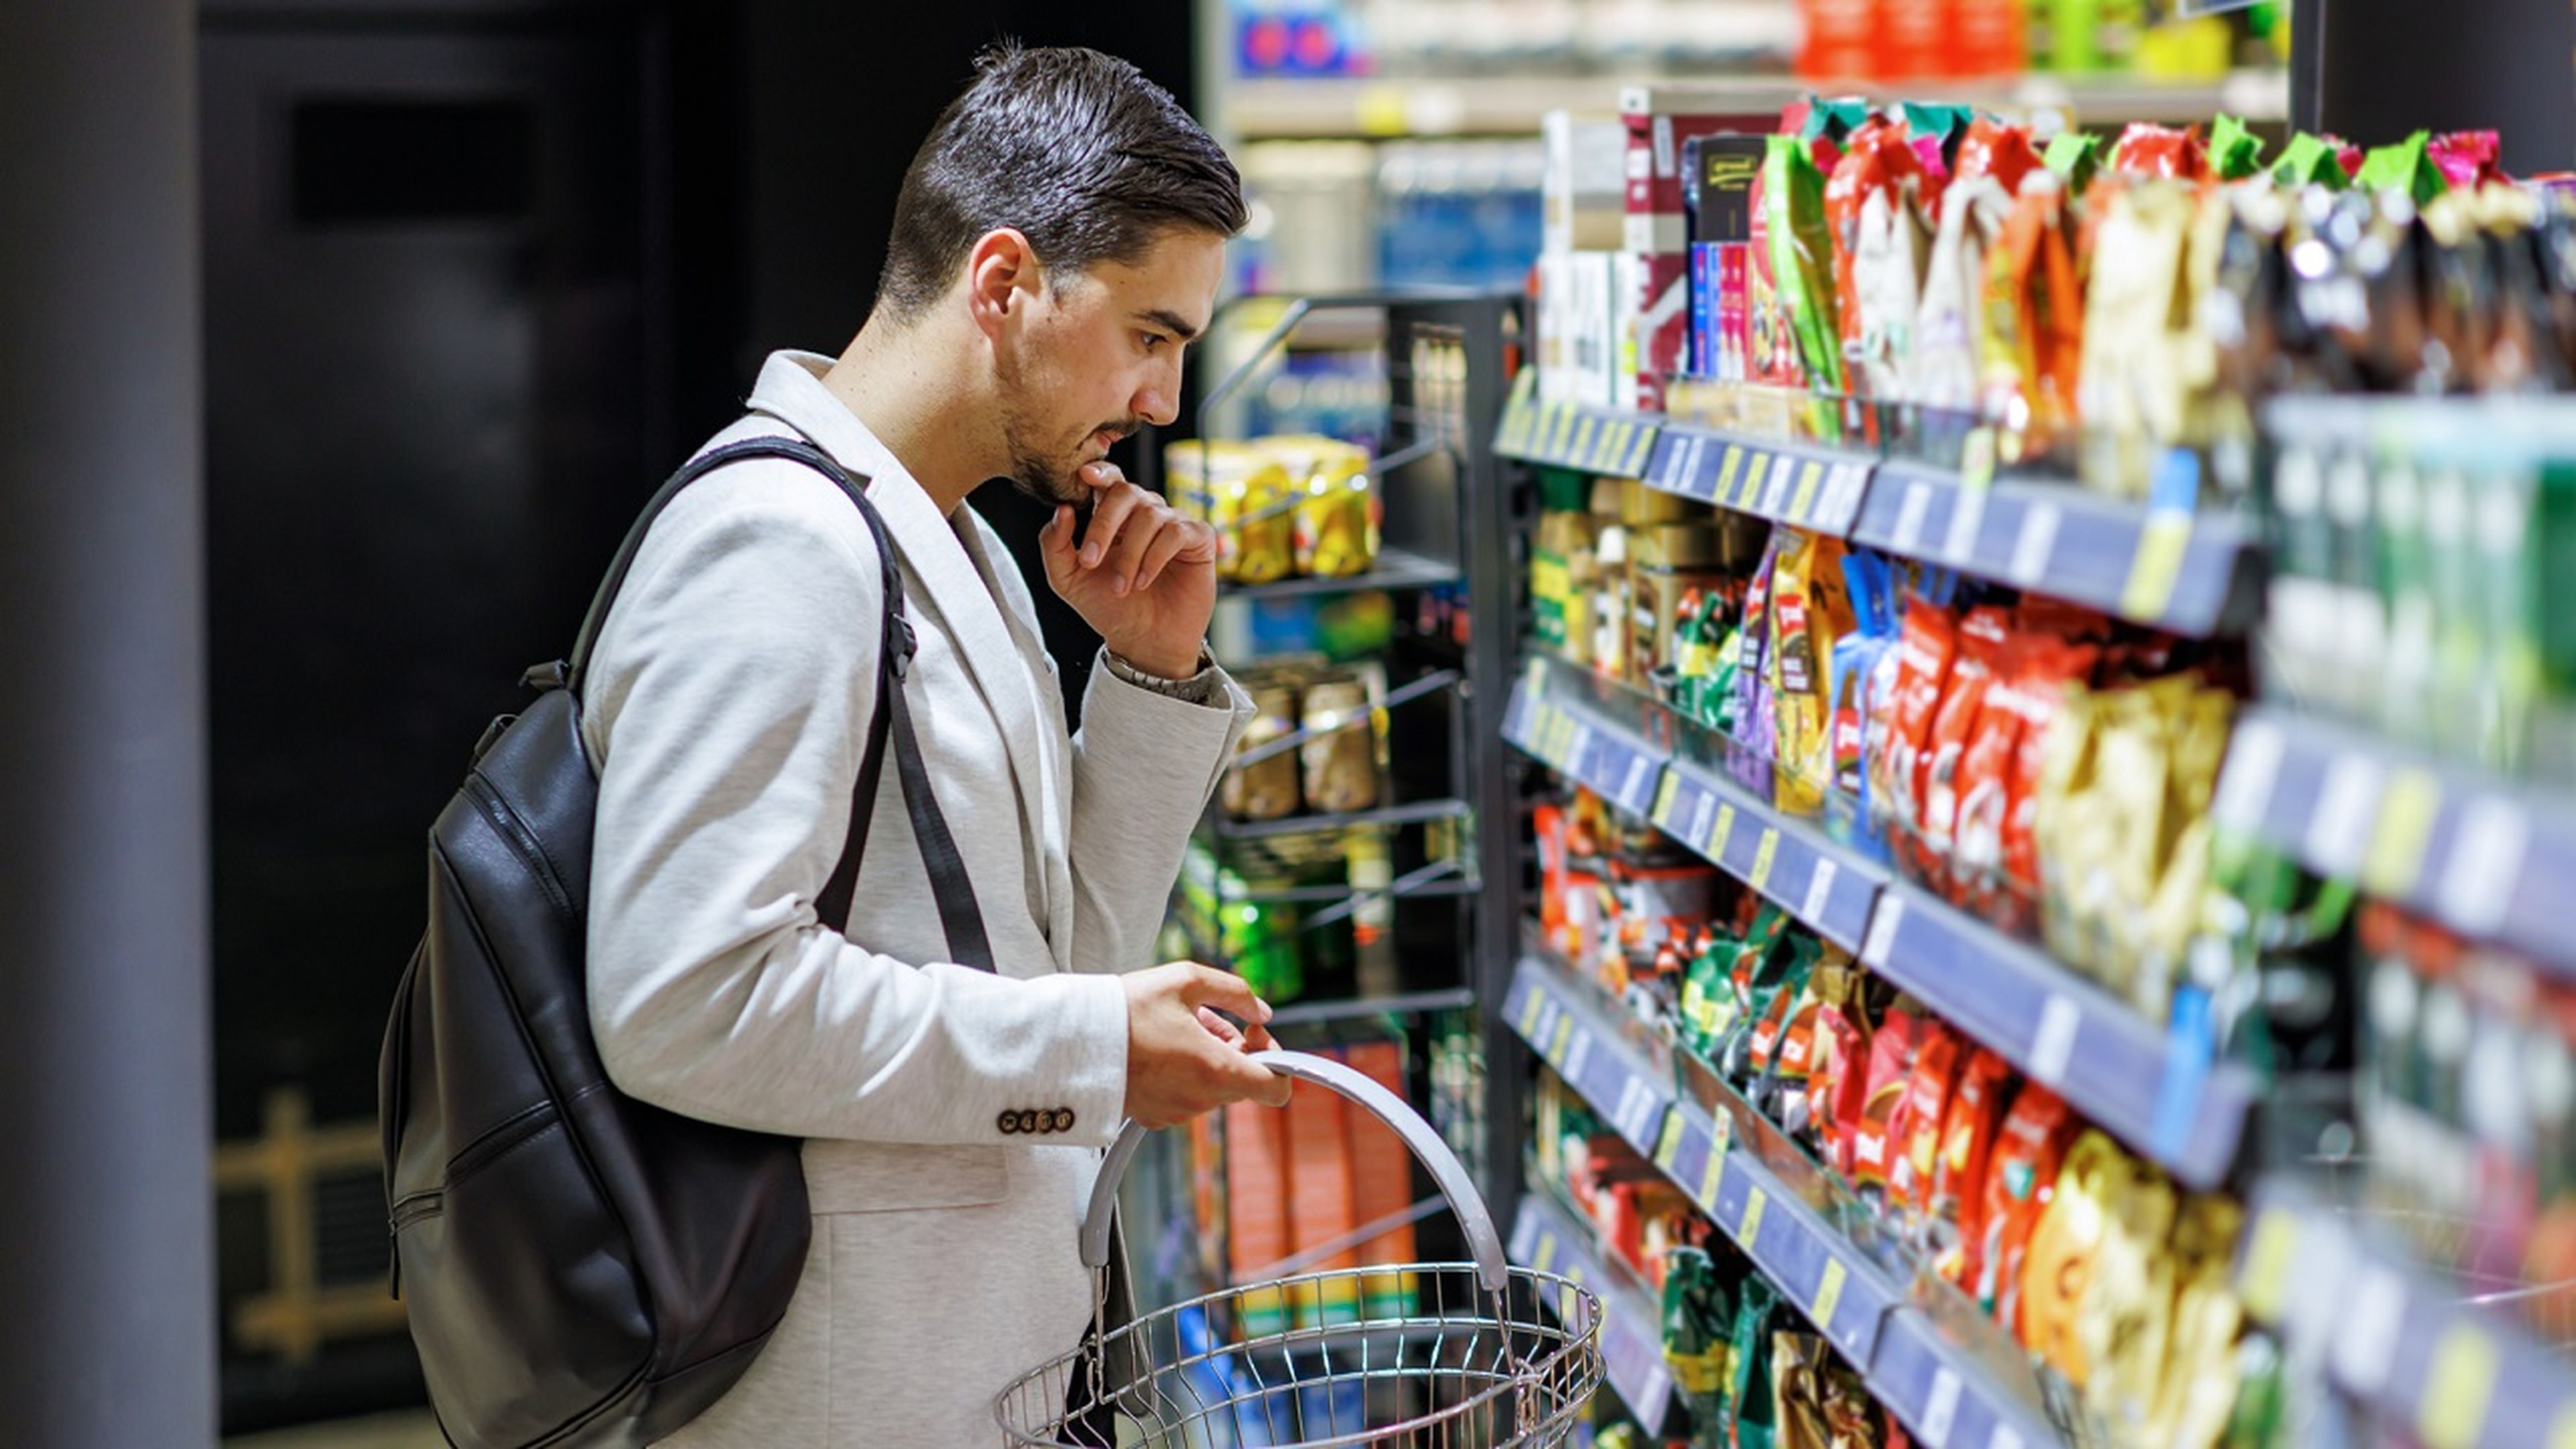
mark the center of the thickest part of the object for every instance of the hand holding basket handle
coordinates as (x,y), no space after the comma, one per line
(1445,1168)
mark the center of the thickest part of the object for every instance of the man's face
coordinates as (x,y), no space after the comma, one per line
(1100,357)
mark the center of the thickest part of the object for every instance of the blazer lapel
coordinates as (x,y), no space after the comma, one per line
(1055,802)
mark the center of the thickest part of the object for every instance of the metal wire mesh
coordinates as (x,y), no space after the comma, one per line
(1414,1357)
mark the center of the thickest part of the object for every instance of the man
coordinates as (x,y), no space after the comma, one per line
(1057,244)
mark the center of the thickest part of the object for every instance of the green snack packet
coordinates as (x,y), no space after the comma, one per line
(1802,257)
(2407,166)
(1832,120)
(1754,1411)
(1697,1315)
(2235,153)
(1708,993)
(2311,160)
(2075,156)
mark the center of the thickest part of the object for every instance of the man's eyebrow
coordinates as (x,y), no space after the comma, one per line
(1169,321)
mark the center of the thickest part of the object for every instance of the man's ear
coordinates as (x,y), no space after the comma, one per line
(1003,275)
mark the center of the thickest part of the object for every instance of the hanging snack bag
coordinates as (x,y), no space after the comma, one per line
(1927,1106)
(1855,659)
(1873,1139)
(2313,160)
(1982,786)
(1801,246)
(1697,1315)
(2469,160)
(2200,1372)
(1956,1209)
(2065,1247)
(1945,368)
(1930,646)
(2406,166)
(1938,133)
(2046,670)
(2033,344)
(2235,152)
(2147,149)
(1810,611)
(1754,1412)
(1798,1390)
(2126,1320)
(2076,156)
(2003,153)
(2021,1177)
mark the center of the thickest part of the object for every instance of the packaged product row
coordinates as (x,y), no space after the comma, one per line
(2093,1260)
(2037,763)
(1282,506)
(1899,277)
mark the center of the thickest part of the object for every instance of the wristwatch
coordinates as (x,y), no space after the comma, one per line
(1204,687)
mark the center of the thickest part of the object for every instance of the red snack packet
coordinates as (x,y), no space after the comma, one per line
(1840,1072)
(1926,646)
(2006,153)
(1968,1131)
(2021,1178)
(1872,1133)
(1983,788)
(1878,157)
(1927,1106)
(1981,644)
(2034,318)
(2151,150)
(2469,158)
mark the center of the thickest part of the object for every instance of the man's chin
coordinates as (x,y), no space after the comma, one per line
(1049,491)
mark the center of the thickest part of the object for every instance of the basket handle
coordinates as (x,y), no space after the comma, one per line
(1364,1091)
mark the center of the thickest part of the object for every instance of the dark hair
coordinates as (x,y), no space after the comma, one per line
(1075,149)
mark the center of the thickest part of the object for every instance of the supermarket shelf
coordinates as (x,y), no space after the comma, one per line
(1608,1062)
(1806,485)
(1360,1008)
(1572,435)
(1510,105)
(1418,813)
(2483,855)
(1547,1239)
(1396,569)
(2193,574)
(2391,1335)
(1947,1391)
(2167,1101)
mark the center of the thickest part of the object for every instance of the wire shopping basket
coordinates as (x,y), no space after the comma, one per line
(1400,1356)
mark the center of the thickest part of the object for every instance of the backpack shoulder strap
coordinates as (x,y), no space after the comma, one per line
(959,916)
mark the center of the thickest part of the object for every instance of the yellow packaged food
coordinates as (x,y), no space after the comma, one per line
(2071,838)
(2057,1273)
(2199,1390)
(2126,1320)
(1194,469)
(1810,609)
(1337,522)
(1255,532)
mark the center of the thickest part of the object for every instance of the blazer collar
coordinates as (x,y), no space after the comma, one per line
(945,569)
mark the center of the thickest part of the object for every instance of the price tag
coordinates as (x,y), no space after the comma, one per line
(1712,1173)
(1697,481)
(1909,517)
(1802,504)
(1820,891)
(1851,480)
(1703,818)
(1940,1409)
(1665,794)
(1624,1110)
(1727,467)
(2034,545)
(2268,1256)
(2485,865)
(1531,1007)
(1587,437)
(1722,832)
(1558,427)
(1668,1143)
(2004,1436)
(2366,1343)
(1756,468)
(1763,853)
(2245,785)
(2562,1430)
(1829,1292)
(1967,516)
(1749,1230)
(2340,829)
(1883,921)
(2406,810)
(1775,495)
(2053,1045)
(2156,568)
(1622,447)
(1577,1057)
(1632,786)
(1557,1041)
(1578,746)
(1977,458)
(2460,1388)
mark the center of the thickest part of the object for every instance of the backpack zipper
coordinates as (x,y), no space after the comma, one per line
(521,839)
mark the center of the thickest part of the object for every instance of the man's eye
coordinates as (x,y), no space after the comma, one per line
(1152,340)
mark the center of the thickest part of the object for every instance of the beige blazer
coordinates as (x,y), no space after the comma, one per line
(726,708)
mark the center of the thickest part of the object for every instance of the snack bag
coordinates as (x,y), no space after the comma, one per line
(1810,611)
(2033,342)
(1798,1391)
(1756,727)
(1938,132)
(1697,1314)
(1855,660)
(1865,167)
(1957,1205)
(2072,831)
(2469,160)
(2314,160)
(2076,156)
(2046,669)
(1981,642)
(2235,153)
(1925,655)
(2002,153)
(2127,1317)
(1837,1050)
(2021,1178)
(2200,1379)
(1927,1105)
(2131,385)
(2146,149)
(1982,784)
(1945,367)
(1874,1135)
(1801,247)
(2406,166)
(2065,1249)
(1754,1412)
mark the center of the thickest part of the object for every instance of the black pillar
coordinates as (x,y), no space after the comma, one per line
(2375,71)
(106,1264)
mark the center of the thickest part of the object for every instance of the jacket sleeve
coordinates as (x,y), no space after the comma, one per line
(727,713)
(1144,766)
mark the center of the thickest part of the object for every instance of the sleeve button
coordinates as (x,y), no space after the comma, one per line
(1008,1122)
(1064,1119)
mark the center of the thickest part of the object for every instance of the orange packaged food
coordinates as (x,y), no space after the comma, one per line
(1927,1104)
(2033,318)
(2020,1182)
(1891,1063)
(1980,650)
(1926,646)
(2044,670)
(1985,774)
(1968,1129)
(1995,149)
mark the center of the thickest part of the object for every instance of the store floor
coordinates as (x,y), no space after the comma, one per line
(411,1429)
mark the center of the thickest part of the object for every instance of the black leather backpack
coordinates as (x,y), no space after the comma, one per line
(581,1268)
